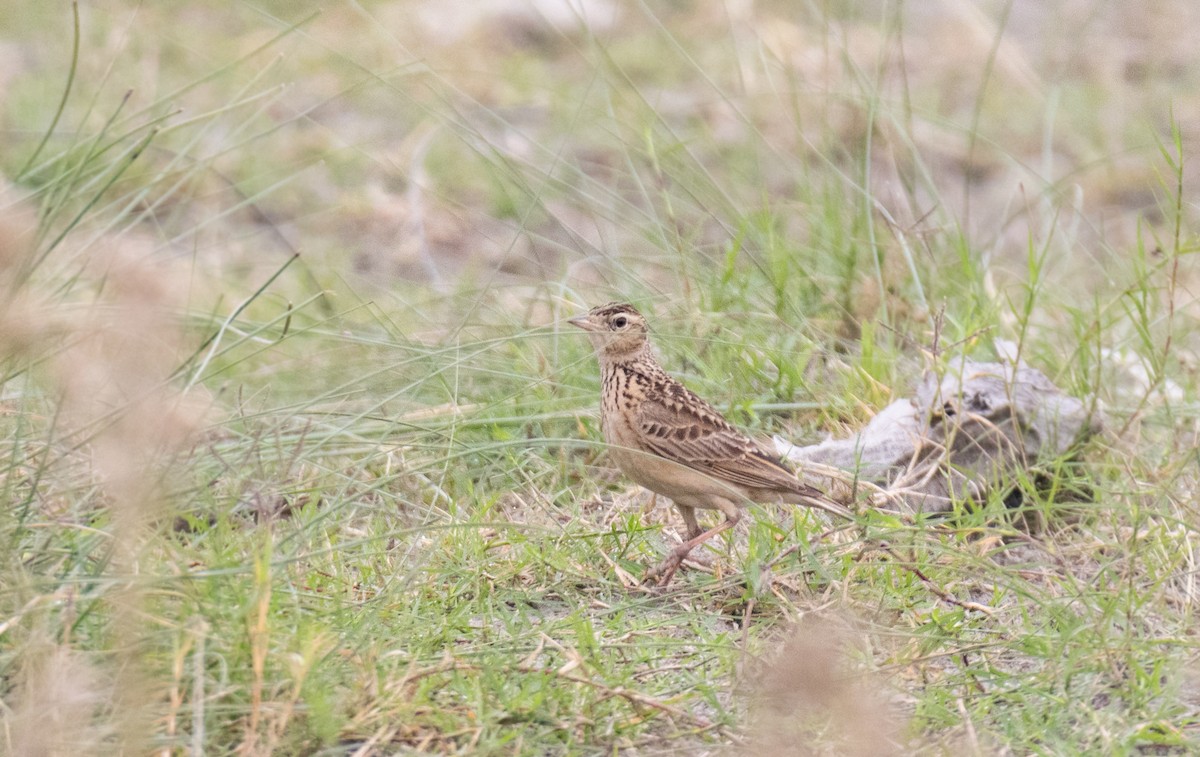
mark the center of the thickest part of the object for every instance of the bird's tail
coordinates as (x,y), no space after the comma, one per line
(810,496)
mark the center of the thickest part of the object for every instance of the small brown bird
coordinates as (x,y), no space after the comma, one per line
(670,441)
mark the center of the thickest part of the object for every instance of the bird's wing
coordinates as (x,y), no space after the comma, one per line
(684,428)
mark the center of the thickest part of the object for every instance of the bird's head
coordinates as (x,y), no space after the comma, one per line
(617,330)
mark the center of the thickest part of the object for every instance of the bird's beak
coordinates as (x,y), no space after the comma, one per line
(583,322)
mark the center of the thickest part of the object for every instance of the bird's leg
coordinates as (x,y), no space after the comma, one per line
(665,570)
(689,519)
(653,503)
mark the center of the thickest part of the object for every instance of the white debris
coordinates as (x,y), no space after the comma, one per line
(977,428)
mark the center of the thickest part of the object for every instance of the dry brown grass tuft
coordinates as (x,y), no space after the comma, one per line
(107,374)
(18,328)
(809,693)
(61,693)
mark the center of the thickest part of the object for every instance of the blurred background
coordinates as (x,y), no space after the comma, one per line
(555,140)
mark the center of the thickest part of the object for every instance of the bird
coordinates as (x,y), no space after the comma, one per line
(666,438)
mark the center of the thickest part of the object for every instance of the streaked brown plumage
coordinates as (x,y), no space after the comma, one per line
(672,442)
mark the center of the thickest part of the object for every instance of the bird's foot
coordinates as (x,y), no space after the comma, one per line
(662,573)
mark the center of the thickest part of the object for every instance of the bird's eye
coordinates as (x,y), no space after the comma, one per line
(620,322)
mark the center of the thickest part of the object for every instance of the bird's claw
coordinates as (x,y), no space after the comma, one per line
(660,575)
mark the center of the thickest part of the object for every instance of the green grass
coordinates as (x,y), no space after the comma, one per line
(356,499)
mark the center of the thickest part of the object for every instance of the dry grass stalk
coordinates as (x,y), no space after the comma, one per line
(107,369)
(809,695)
